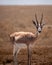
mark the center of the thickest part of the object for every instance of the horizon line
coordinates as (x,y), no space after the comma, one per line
(24,4)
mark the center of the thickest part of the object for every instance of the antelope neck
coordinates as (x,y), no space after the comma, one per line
(37,34)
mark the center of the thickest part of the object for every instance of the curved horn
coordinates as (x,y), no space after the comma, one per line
(36,19)
(41,19)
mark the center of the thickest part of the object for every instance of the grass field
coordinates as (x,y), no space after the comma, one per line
(19,18)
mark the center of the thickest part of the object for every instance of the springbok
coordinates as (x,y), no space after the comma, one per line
(28,38)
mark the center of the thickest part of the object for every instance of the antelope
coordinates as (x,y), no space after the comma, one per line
(28,38)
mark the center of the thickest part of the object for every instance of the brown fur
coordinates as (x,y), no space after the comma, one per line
(23,37)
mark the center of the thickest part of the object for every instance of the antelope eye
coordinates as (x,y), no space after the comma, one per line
(37,27)
(41,26)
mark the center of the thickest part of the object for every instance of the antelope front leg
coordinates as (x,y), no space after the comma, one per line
(30,54)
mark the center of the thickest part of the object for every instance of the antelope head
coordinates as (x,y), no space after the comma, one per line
(38,25)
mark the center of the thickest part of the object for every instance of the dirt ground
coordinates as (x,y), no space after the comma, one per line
(19,18)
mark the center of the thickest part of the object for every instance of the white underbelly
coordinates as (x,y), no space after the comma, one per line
(20,45)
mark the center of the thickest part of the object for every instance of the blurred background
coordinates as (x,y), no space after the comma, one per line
(17,16)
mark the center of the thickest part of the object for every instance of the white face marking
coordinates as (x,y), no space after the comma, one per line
(39,28)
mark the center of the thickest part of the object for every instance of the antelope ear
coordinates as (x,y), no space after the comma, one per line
(43,24)
(34,22)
